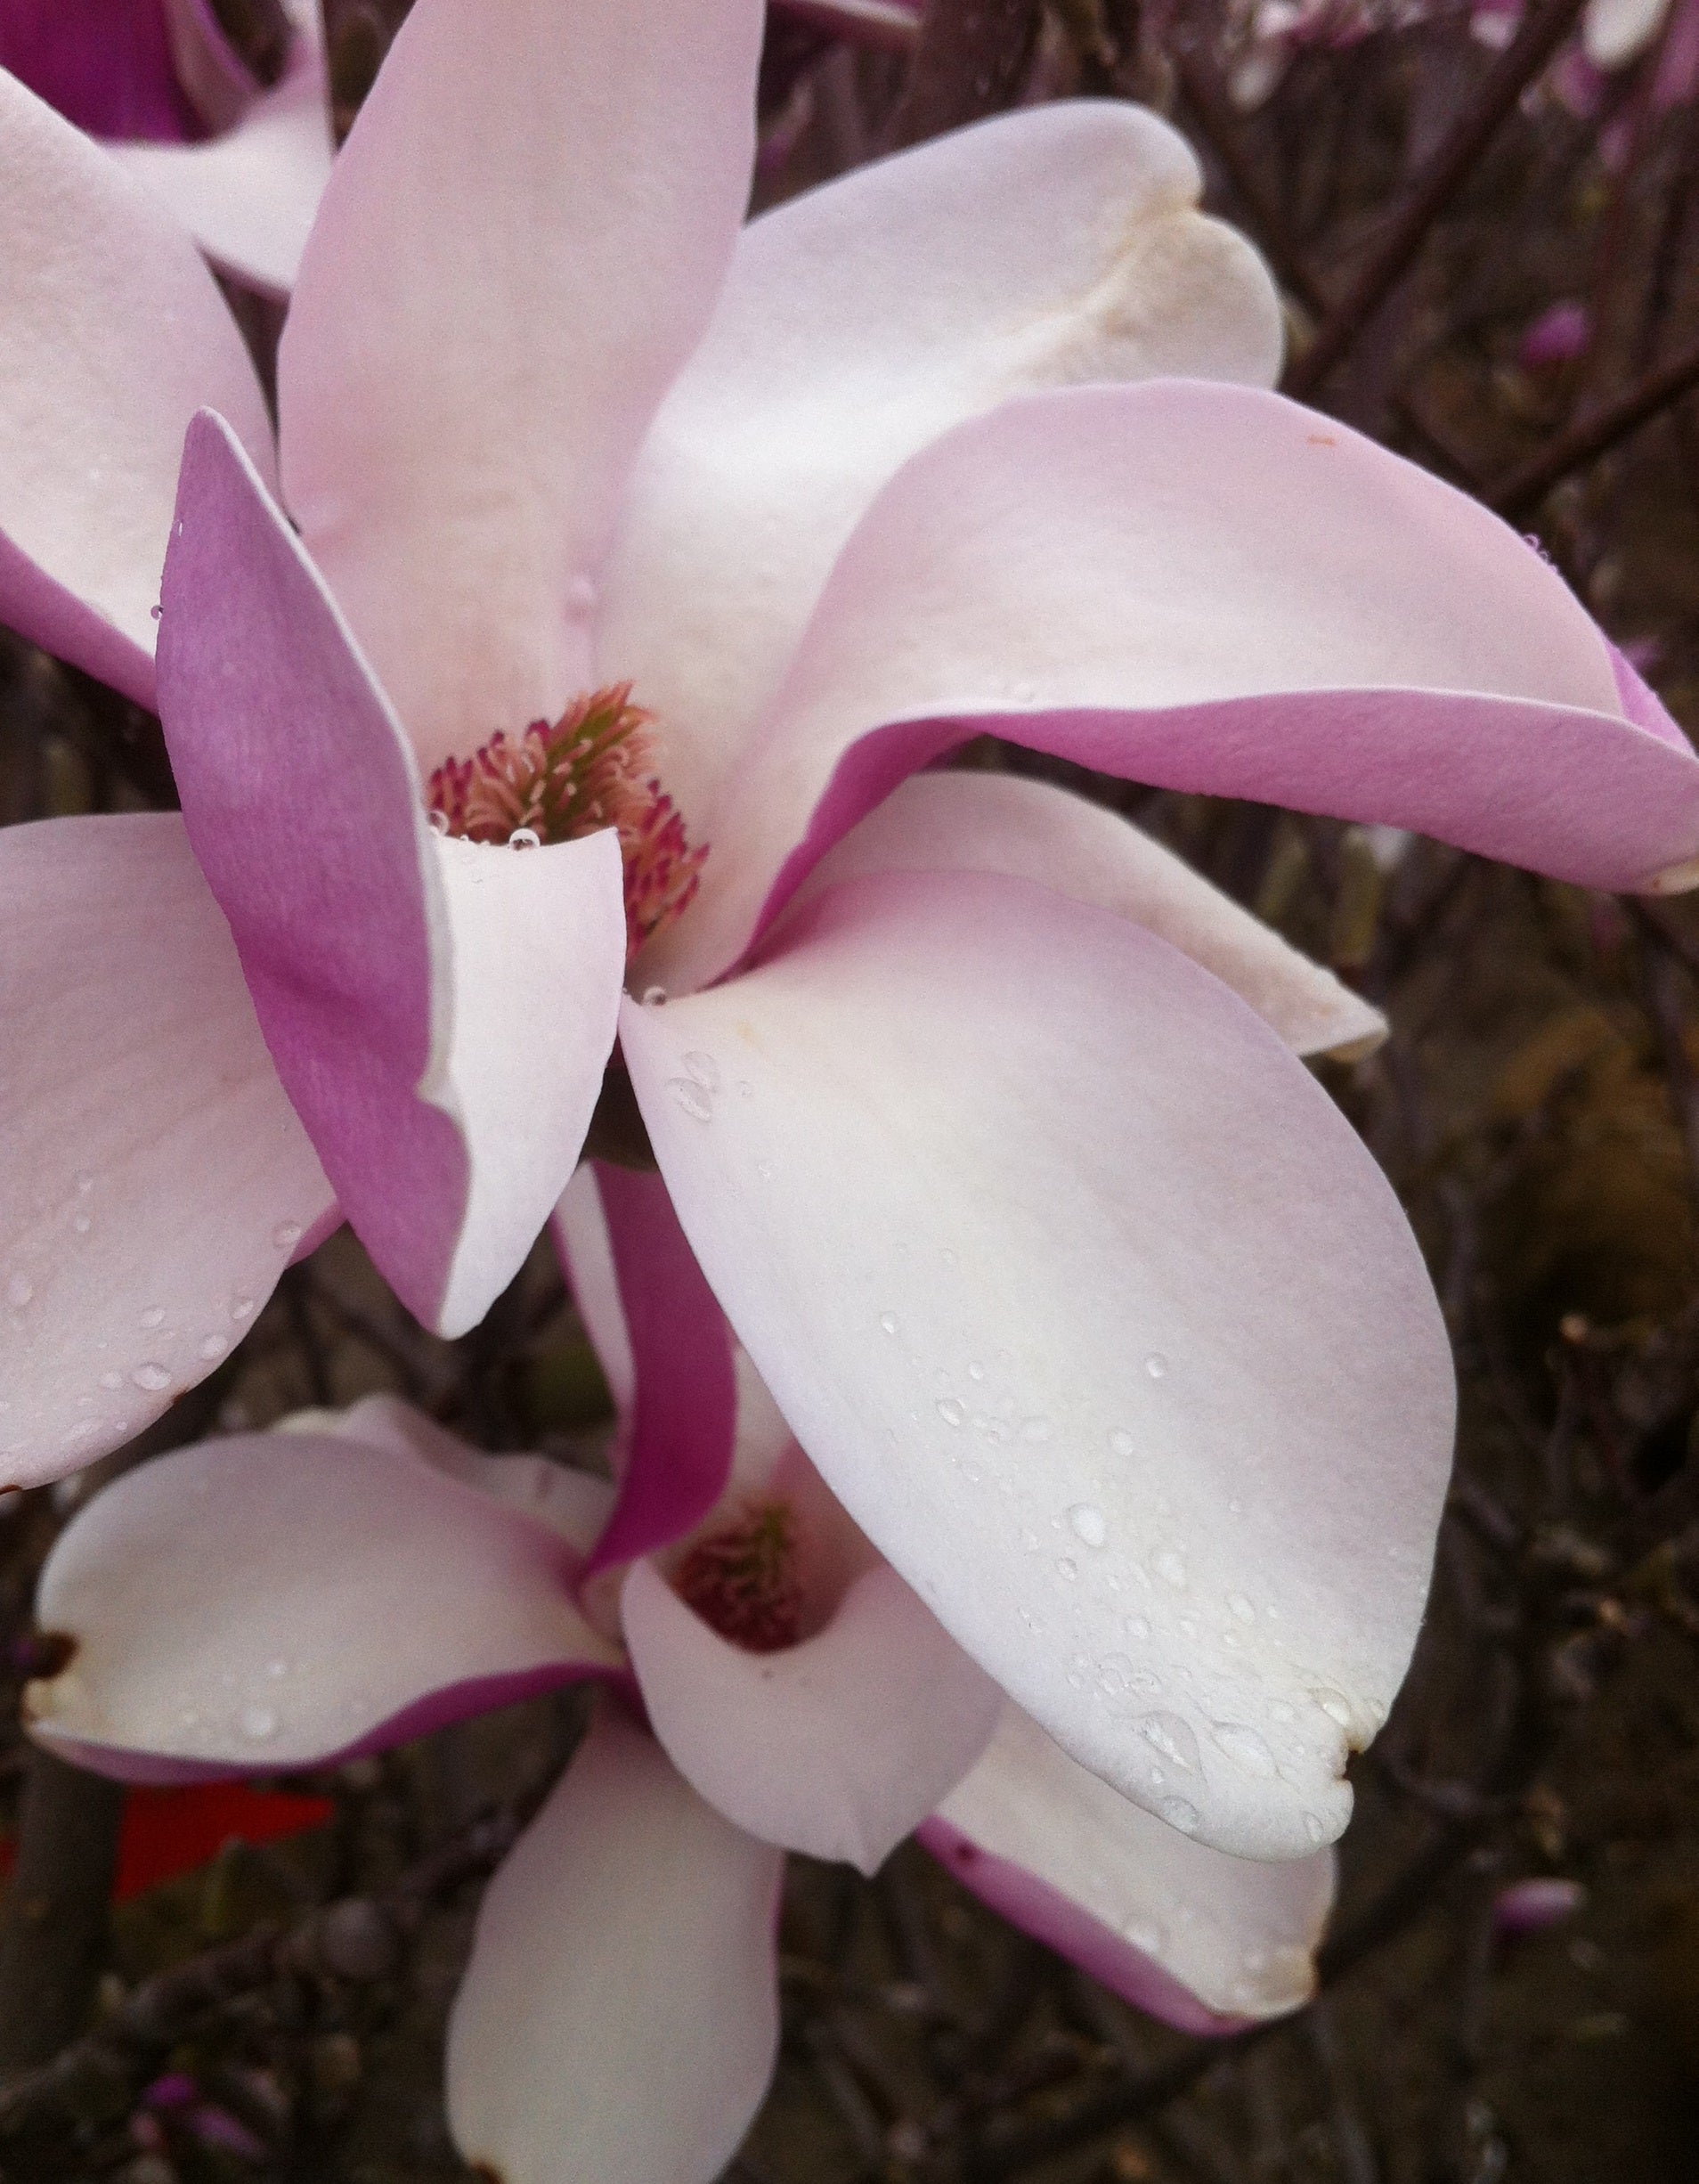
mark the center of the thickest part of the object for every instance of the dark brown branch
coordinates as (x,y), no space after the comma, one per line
(53,1930)
(1209,101)
(1592,437)
(1450,166)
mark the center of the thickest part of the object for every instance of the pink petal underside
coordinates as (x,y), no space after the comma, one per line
(1094,1312)
(1209,589)
(991,822)
(440,1012)
(112,336)
(280,1599)
(1207,1942)
(154,1181)
(619,2019)
(839,1746)
(858,322)
(488,312)
(107,67)
(249,197)
(680,1398)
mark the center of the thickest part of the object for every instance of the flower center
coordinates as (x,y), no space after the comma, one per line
(594,768)
(741,1581)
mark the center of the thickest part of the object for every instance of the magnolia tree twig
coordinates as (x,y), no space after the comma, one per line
(1591,437)
(969,61)
(53,1930)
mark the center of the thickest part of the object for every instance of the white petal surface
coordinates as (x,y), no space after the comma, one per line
(839,1746)
(248,197)
(113,335)
(271,1600)
(858,321)
(1615,31)
(1095,1314)
(521,241)
(1186,1932)
(154,1181)
(619,2019)
(989,822)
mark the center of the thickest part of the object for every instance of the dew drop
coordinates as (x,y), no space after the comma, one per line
(211,1346)
(1240,1608)
(1136,1627)
(19,1289)
(256,1723)
(241,1307)
(1312,1827)
(976,1371)
(154,1317)
(1113,1675)
(1243,1746)
(950,1410)
(692,1098)
(1121,1442)
(84,1183)
(1089,1524)
(1066,1567)
(1171,1567)
(277,1669)
(1335,1705)
(1182,1813)
(81,1223)
(1145,1933)
(439,822)
(154,613)
(286,1236)
(887,1321)
(151,1376)
(704,1069)
(525,838)
(1157,1365)
(764,1169)
(746,1090)
(1174,1737)
(655,997)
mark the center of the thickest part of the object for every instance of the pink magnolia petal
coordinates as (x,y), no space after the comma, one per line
(1210,588)
(1095,1314)
(655,1320)
(987,822)
(839,1746)
(858,322)
(1207,1941)
(276,1600)
(486,316)
(439,1012)
(154,1181)
(248,197)
(619,2019)
(106,65)
(113,335)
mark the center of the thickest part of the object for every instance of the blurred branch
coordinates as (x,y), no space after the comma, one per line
(1590,437)
(970,61)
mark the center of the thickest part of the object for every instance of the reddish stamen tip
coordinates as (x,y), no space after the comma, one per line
(741,1580)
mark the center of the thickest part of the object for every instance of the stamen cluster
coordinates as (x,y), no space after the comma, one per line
(593,768)
(741,1580)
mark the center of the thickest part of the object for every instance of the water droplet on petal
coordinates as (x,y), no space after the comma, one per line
(438,822)
(1113,1675)
(1121,1442)
(154,1317)
(1243,1746)
(1066,1567)
(286,1236)
(525,838)
(1335,1705)
(211,1346)
(1239,1607)
(1314,1828)
(81,1223)
(1182,1813)
(887,1321)
(1171,1567)
(19,1289)
(691,1097)
(1174,1737)
(1145,1933)
(258,1722)
(84,1182)
(704,1069)
(950,1410)
(277,1669)
(151,1376)
(1157,1365)
(1088,1523)
(655,997)
(241,1307)
(1136,1627)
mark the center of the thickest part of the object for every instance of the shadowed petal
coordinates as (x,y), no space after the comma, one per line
(106,65)
(521,242)
(859,321)
(154,1181)
(440,1012)
(1210,588)
(619,2019)
(1095,1314)
(113,335)
(1207,1941)
(277,1600)
(998,822)
(666,1345)
(839,1746)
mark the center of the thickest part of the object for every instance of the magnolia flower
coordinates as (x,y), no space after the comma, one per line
(241,165)
(656,556)
(289,1599)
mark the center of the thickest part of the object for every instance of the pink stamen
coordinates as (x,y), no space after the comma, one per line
(741,1580)
(593,769)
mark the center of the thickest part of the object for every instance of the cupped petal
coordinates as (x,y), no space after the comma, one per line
(113,335)
(859,321)
(1211,589)
(619,2019)
(440,1012)
(655,1321)
(521,242)
(278,1600)
(1095,1314)
(839,1746)
(156,1179)
(248,197)
(106,65)
(1207,1942)
(987,822)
